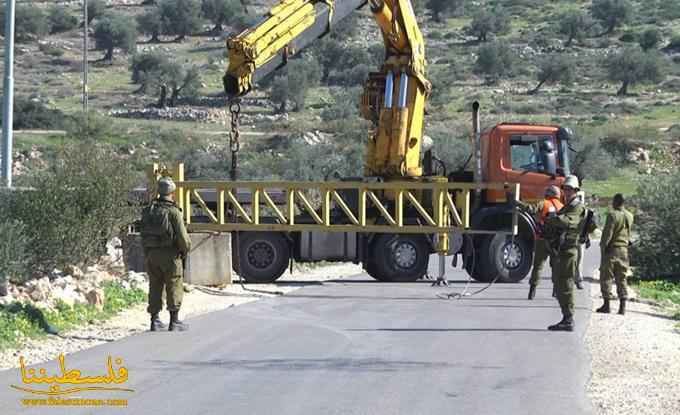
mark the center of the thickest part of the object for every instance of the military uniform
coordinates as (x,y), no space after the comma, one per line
(569,224)
(614,250)
(542,250)
(166,242)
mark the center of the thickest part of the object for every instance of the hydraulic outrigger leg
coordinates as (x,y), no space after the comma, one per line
(442,250)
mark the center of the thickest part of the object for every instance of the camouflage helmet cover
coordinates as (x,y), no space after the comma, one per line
(552,191)
(572,182)
(166,186)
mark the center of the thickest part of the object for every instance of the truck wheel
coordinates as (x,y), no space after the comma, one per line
(477,264)
(399,258)
(509,259)
(263,256)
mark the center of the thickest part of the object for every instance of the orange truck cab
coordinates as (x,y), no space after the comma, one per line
(535,156)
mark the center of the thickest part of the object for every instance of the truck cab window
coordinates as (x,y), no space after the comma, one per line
(525,153)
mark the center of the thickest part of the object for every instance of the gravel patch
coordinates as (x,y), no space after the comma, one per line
(635,360)
(136,320)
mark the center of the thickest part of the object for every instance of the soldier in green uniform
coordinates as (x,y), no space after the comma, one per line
(569,223)
(166,243)
(614,249)
(549,206)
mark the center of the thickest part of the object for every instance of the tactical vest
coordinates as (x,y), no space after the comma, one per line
(155,229)
(550,206)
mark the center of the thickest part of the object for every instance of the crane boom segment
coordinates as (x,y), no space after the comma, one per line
(288,28)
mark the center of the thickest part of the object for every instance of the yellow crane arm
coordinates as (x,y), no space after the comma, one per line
(393,99)
(289,27)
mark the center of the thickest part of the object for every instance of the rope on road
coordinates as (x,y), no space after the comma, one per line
(465,293)
(228,294)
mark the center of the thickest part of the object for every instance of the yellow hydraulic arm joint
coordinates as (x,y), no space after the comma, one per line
(394,98)
(284,31)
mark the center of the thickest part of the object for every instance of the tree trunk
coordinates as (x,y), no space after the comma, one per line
(624,89)
(218,28)
(174,96)
(109,54)
(535,90)
(571,39)
(282,107)
(163,97)
(154,38)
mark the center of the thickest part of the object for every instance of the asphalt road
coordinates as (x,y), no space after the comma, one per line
(350,347)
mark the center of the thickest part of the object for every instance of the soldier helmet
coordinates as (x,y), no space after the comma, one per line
(166,186)
(572,182)
(552,191)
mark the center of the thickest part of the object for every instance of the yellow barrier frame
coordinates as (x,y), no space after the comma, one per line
(443,215)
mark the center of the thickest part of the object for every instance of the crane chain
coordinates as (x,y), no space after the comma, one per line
(234,136)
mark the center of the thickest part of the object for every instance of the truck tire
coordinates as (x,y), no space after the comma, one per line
(398,258)
(509,259)
(262,256)
(478,265)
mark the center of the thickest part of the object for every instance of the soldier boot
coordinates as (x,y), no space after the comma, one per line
(532,291)
(175,323)
(156,323)
(622,306)
(567,324)
(605,307)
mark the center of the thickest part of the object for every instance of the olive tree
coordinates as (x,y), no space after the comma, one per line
(611,13)
(170,79)
(115,31)
(494,60)
(151,24)
(632,66)
(440,8)
(574,24)
(180,17)
(553,69)
(488,21)
(95,10)
(221,12)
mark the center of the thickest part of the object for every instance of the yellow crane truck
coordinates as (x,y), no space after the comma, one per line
(400,212)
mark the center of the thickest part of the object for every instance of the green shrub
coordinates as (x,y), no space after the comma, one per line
(60,20)
(93,126)
(73,207)
(33,114)
(674,43)
(657,251)
(51,50)
(650,39)
(29,22)
(14,246)
(591,160)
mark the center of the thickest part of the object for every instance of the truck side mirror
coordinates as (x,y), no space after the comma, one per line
(549,157)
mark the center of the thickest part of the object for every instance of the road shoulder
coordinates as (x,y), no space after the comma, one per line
(635,365)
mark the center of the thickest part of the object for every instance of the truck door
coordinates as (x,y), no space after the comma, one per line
(532,163)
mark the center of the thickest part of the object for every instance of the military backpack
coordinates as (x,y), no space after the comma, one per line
(155,227)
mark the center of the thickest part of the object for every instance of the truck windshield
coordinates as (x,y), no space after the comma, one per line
(564,157)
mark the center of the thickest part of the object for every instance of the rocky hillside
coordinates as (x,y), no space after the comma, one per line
(48,70)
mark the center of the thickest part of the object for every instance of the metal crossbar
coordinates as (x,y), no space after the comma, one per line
(377,207)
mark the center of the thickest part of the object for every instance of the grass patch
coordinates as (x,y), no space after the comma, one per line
(19,321)
(662,291)
(625,184)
